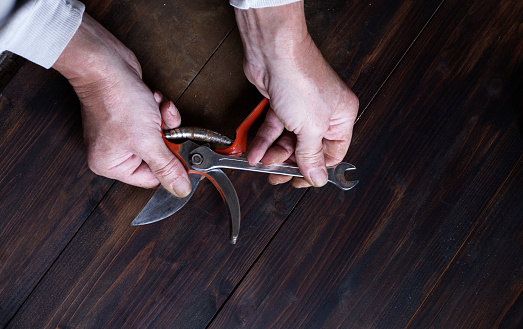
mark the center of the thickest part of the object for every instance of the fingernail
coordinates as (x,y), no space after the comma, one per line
(318,176)
(182,187)
(172,109)
(157,96)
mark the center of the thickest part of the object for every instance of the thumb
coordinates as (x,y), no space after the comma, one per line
(170,171)
(311,159)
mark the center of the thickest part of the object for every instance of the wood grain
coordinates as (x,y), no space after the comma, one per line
(9,65)
(433,150)
(483,284)
(47,192)
(182,270)
(171,39)
(41,154)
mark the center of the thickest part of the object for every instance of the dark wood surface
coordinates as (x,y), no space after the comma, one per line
(431,238)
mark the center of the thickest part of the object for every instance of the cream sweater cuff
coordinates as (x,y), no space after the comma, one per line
(41,29)
(247,4)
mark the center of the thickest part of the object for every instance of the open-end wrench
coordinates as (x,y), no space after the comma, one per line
(204,159)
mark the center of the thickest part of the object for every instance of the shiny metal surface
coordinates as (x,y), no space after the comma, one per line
(163,204)
(198,134)
(209,160)
(224,185)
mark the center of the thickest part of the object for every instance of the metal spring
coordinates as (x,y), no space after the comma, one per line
(198,134)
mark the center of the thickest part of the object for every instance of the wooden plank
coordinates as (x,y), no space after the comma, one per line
(41,154)
(9,65)
(432,150)
(482,285)
(47,192)
(178,273)
(171,39)
(221,97)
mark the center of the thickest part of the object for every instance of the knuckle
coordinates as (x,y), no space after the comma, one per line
(170,170)
(332,160)
(312,158)
(272,126)
(355,102)
(94,168)
(95,164)
(286,144)
(264,140)
(142,143)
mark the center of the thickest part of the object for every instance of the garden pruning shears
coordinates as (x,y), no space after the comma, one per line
(202,160)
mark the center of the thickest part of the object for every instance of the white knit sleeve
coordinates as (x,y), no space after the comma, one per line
(6,6)
(41,29)
(247,4)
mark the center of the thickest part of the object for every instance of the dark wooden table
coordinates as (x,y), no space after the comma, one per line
(432,237)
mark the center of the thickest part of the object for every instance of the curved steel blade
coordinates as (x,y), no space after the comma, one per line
(163,204)
(226,189)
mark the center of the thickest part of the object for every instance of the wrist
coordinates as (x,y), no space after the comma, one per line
(274,33)
(94,55)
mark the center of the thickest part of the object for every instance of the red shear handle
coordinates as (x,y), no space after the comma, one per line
(240,143)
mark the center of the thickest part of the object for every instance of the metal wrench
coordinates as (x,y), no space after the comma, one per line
(204,159)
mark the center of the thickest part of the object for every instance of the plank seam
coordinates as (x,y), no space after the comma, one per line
(262,252)
(472,230)
(59,255)
(399,61)
(206,62)
(107,192)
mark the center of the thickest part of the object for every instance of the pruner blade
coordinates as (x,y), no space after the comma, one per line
(226,189)
(163,204)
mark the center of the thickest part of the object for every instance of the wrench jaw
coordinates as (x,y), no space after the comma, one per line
(337,176)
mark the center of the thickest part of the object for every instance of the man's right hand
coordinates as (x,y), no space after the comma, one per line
(121,117)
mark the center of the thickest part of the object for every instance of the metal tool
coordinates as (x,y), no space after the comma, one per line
(163,205)
(202,160)
(198,134)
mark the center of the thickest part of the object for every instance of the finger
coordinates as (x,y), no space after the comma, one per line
(335,151)
(142,176)
(167,168)
(269,132)
(281,151)
(275,179)
(130,169)
(158,97)
(336,143)
(170,115)
(298,182)
(310,159)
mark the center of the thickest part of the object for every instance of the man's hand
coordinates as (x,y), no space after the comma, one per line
(121,117)
(312,110)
